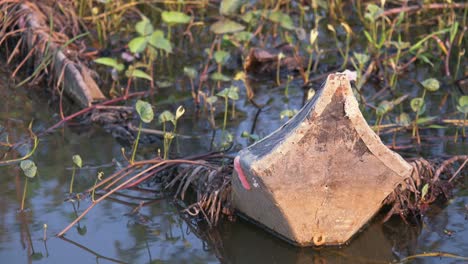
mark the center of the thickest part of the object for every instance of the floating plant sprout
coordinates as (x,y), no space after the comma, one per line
(30,170)
(77,162)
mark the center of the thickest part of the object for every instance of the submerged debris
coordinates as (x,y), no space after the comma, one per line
(426,185)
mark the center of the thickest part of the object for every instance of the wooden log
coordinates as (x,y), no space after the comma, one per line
(319,178)
(77,80)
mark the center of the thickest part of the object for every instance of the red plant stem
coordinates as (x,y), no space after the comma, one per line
(125,183)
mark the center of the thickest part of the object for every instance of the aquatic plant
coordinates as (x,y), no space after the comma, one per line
(228,93)
(172,18)
(30,170)
(146,114)
(418,104)
(462,108)
(77,162)
(167,116)
(278,67)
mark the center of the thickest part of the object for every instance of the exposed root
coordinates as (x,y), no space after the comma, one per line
(212,186)
(208,174)
(424,187)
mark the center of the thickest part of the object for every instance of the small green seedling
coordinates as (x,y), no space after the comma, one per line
(30,170)
(278,67)
(312,41)
(77,162)
(146,114)
(167,116)
(191,73)
(228,93)
(462,107)
(418,105)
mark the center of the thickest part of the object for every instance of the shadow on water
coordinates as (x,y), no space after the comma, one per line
(116,233)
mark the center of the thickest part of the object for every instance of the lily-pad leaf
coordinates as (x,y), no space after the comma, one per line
(431,84)
(226,26)
(158,41)
(111,62)
(403,120)
(77,160)
(140,74)
(230,7)
(29,168)
(243,36)
(144,27)
(175,17)
(190,72)
(463,101)
(212,99)
(166,116)
(145,111)
(231,93)
(221,56)
(220,77)
(282,18)
(138,44)
(417,103)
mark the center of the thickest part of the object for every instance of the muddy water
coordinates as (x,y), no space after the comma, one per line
(158,233)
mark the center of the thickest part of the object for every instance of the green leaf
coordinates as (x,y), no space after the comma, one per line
(145,111)
(111,62)
(462,109)
(416,104)
(242,36)
(190,72)
(424,190)
(373,11)
(384,107)
(233,93)
(158,41)
(403,120)
(138,44)
(431,84)
(175,17)
(287,113)
(144,27)
(29,168)
(226,26)
(212,99)
(361,58)
(281,18)
(463,101)
(219,77)
(166,116)
(425,59)
(436,126)
(140,74)
(427,119)
(77,160)
(230,7)
(221,56)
